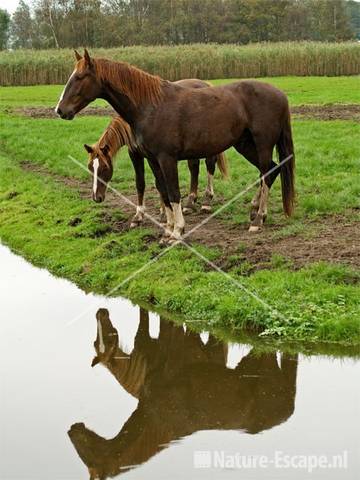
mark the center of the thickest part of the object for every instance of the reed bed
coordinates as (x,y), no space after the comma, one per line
(34,67)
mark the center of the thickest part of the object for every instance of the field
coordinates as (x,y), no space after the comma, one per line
(305,268)
(23,67)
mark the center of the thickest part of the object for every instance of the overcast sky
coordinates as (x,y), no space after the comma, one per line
(10,5)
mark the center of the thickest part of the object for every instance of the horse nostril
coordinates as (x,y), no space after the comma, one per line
(58,111)
(98,198)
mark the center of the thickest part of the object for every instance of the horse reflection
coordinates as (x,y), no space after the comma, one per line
(183,386)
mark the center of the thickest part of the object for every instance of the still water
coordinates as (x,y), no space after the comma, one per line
(98,388)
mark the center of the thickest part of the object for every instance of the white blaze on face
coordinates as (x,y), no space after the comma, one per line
(96,168)
(101,338)
(63,92)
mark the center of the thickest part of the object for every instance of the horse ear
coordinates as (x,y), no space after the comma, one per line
(87,58)
(105,149)
(88,148)
(95,361)
(77,55)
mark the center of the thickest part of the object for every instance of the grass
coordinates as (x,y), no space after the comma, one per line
(319,302)
(328,162)
(314,90)
(29,67)
(307,90)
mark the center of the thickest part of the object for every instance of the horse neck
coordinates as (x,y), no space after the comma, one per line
(117,135)
(128,89)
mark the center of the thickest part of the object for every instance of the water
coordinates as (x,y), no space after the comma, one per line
(159,401)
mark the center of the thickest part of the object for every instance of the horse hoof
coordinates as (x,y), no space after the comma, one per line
(173,240)
(205,209)
(163,241)
(254,228)
(187,210)
(135,224)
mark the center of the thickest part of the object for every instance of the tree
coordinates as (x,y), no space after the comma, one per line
(353,9)
(4,28)
(22,27)
(330,21)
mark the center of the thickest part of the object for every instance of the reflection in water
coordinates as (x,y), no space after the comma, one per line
(183,386)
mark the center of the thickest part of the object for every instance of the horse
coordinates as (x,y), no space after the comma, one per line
(170,123)
(178,374)
(118,134)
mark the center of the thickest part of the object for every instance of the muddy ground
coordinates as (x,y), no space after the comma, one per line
(330,238)
(314,112)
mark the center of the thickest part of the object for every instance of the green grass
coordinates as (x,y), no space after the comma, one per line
(327,163)
(314,90)
(317,303)
(300,90)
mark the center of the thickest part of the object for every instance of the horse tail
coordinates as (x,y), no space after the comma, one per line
(285,149)
(222,163)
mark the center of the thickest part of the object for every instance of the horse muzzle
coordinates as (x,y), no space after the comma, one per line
(98,198)
(64,115)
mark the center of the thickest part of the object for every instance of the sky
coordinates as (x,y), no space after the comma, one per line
(10,5)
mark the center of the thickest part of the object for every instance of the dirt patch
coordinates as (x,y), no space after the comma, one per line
(332,238)
(46,112)
(314,112)
(327,112)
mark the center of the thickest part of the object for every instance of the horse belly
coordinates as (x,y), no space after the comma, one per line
(210,140)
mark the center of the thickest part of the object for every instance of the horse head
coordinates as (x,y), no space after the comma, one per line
(82,87)
(100,166)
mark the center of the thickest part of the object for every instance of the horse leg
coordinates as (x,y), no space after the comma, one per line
(169,169)
(161,187)
(138,164)
(162,216)
(209,192)
(193,165)
(247,148)
(265,165)
(255,203)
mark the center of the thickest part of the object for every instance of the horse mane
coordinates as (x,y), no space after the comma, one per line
(137,85)
(117,134)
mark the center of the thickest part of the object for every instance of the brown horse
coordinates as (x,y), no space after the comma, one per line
(118,134)
(171,123)
(188,380)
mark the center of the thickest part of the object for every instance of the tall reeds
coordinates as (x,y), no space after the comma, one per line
(31,67)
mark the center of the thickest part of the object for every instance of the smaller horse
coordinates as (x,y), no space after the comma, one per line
(117,135)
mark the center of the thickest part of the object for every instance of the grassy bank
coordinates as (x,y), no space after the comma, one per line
(53,227)
(35,217)
(24,67)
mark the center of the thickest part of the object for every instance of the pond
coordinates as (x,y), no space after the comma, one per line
(99,388)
